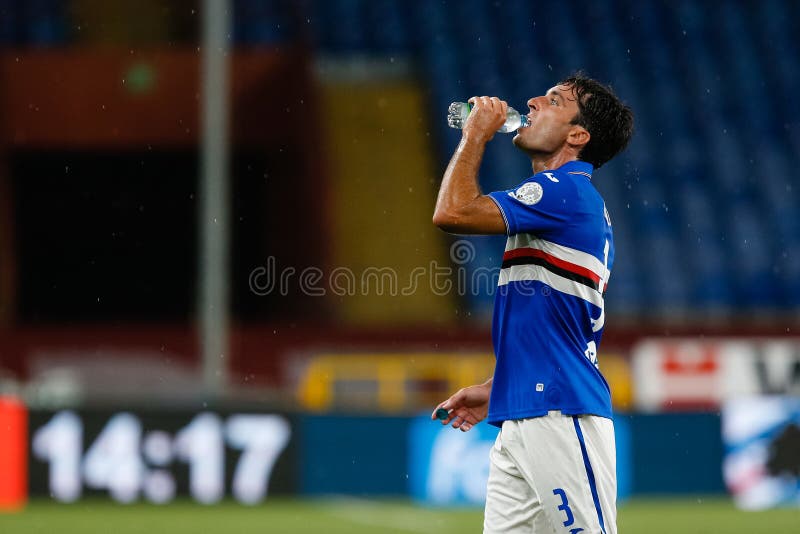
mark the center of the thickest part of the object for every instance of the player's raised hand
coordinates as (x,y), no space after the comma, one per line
(467,407)
(487,116)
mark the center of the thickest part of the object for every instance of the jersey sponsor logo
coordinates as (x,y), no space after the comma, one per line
(529,193)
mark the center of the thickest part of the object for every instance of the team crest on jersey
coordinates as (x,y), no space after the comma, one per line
(529,193)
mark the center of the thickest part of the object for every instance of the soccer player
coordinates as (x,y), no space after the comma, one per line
(553,465)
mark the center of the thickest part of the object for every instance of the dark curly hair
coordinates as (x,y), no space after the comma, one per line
(608,121)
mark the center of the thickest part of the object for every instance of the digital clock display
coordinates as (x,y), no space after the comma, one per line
(157,456)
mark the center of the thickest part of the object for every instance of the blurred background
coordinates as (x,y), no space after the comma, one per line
(219,279)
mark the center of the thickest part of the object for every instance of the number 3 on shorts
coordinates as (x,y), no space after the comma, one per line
(564,506)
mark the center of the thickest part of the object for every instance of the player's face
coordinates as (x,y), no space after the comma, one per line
(549,121)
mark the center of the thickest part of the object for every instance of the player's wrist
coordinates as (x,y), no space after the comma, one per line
(474,137)
(485,389)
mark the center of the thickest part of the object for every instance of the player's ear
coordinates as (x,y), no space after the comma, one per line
(578,136)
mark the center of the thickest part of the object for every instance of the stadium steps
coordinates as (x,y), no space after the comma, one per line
(383,183)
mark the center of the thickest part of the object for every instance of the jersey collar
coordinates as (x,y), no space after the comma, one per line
(578,167)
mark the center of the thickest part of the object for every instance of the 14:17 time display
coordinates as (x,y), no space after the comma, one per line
(128,461)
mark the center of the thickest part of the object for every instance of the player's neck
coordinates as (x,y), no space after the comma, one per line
(542,163)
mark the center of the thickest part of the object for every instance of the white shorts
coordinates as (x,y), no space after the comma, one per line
(553,474)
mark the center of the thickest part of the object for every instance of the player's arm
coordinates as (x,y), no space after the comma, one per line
(467,407)
(461,208)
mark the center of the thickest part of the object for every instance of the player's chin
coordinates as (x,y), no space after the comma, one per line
(519,141)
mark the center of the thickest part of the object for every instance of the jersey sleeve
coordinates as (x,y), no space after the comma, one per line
(540,203)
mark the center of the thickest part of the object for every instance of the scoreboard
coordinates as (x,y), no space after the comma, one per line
(151,455)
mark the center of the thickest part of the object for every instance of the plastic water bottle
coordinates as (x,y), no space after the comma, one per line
(458,111)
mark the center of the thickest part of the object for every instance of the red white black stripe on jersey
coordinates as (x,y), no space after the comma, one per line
(564,269)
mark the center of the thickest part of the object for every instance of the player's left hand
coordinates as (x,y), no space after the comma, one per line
(467,407)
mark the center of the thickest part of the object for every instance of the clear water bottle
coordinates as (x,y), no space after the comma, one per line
(458,111)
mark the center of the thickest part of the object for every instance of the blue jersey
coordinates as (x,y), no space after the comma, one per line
(548,310)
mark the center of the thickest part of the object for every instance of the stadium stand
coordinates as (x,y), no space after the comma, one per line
(704,202)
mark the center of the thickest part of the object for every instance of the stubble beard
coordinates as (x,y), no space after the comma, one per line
(520,144)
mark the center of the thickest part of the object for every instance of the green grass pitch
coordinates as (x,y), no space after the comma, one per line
(351,516)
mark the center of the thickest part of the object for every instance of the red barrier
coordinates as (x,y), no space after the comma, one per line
(13,454)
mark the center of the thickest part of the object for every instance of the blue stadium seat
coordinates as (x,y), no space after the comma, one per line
(751,259)
(33,22)
(388,27)
(260,23)
(8,22)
